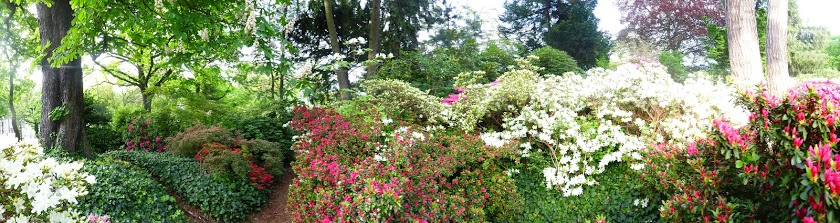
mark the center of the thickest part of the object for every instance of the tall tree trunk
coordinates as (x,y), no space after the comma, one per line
(343,79)
(62,85)
(777,64)
(15,126)
(744,53)
(546,10)
(373,39)
(271,75)
(11,55)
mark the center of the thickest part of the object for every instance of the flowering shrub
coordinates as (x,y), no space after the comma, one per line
(403,100)
(785,159)
(189,142)
(140,138)
(92,218)
(370,171)
(234,162)
(228,154)
(36,188)
(586,123)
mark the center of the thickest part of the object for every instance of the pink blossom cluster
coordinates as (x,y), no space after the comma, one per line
(344,175)
(93,218)
(140,138)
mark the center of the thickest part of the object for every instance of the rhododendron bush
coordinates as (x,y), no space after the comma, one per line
(782,167)
(37,188)
(582,124)
(361,169)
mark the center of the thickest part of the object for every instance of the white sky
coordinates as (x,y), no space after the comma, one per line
(814,12)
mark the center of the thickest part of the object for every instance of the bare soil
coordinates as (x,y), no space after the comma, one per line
(275,210)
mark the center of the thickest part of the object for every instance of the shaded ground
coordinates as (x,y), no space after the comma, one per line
(275,210)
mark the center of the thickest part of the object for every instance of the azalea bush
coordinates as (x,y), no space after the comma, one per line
(354,168)
(583,124)
(37,188)
(140,136)
(403,101)
(229,155)
(192,139)
(238,163)
(781,167)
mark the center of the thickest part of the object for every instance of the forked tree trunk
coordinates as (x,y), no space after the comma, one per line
(744,54)
(777,64)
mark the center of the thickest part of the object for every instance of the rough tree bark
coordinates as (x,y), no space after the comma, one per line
(373,38)
(745,58)
(777,64)
(62,84)
(343,79)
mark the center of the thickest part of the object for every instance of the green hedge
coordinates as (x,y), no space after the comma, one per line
(128,194)
(223,200)
(614,198)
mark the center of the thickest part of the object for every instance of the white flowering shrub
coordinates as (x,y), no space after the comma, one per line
(401,100)
(582,124)
(37,188)
(484,106)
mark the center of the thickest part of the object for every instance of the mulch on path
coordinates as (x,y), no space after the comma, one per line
(272,212)
(275,210)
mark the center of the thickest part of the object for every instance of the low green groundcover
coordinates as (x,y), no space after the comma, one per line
(224,200)
(128,194)
(617,198)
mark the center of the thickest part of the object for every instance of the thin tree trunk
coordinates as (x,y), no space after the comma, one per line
(373,39)
(777,64)
(15,126)
(744,53)
(282,86)
(147,100)
(271,75)
(62,85)
(343,79)
(547,13)
(12,56)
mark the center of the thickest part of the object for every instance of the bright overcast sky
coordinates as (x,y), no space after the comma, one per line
(814,12)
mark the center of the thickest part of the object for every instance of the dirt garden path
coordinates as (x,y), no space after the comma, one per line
(275,210)
(272,212)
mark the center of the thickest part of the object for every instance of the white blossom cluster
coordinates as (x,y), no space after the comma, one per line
(36,188)
(585,123)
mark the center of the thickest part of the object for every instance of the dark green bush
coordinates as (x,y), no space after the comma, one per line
(165,123)
(100,136)
(672,59)
(555,62)
(267,154)
(616,199)
(128,194)
(224,201)
(219,159)
(193,138)
(268,127)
